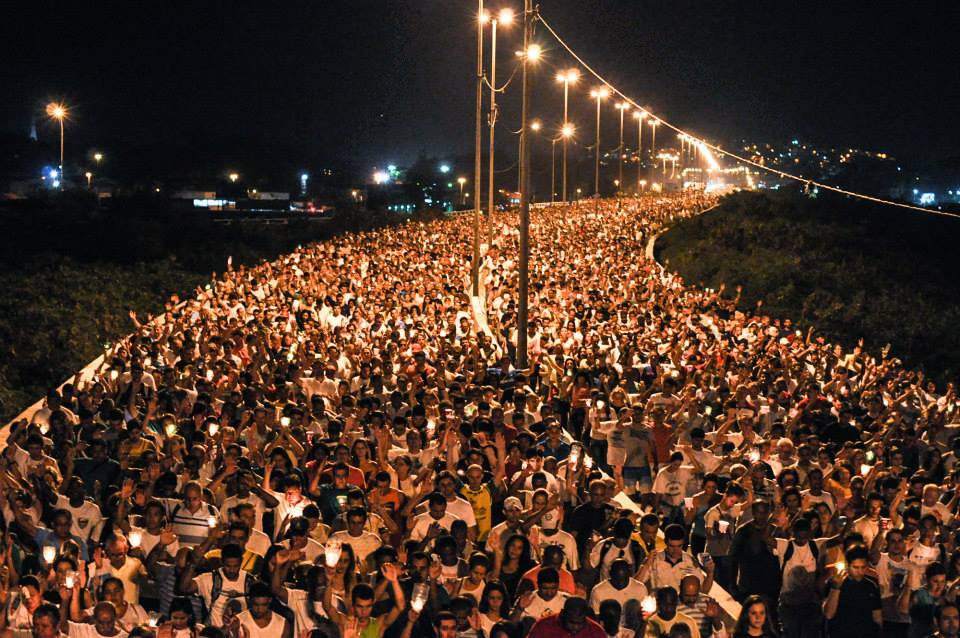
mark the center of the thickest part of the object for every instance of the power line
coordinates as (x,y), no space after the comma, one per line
(808,182)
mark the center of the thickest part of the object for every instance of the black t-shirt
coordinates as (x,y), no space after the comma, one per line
(854,618)
(585,520)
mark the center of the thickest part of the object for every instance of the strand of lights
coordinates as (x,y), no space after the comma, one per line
(704,145)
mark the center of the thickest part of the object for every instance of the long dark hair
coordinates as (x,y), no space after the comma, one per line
(505,604)
(525,561)
(743,622)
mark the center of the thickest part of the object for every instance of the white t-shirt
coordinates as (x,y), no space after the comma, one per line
(462,509)
(424,521)
(362,545)
(86,518)
(85,630)
(569,545)
(231,590)
(540,607)
(672,486)
(273,630)
(634,591)
(297,600)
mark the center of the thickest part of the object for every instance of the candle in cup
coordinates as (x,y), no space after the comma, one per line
(214,428)
(574,456)
(723,526)
(418,598)
(865,469)
(211,521)
(649,605)
(588,462)
(170,429)
(284,421)
(332,552)
(840,566)
(49,553)
(688,502)
(69,580)
(135,538)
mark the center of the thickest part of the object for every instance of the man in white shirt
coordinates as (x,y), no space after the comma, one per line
(87,519)
(459,507)
(545,601)
(227,583)
(435,520)
(625,590)
(363,542)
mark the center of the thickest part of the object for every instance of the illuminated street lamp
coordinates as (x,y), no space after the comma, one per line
(599,95)
(461,181)
(58,112)
(566,78)
(89,177)
(640,116)
(233,177)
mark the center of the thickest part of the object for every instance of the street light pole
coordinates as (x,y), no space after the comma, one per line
(553,170)
(622,106)
(524,191)
(653,143)
(599,95)
(492,123)
(640,116)
(475,263)
(567,78)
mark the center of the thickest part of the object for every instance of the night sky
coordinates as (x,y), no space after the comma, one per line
(376,82)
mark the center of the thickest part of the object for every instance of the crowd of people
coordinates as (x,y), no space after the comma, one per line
(334,445)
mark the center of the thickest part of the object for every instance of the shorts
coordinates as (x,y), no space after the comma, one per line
(637,479)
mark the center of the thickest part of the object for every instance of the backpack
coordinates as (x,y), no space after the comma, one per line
(800,596)
(787,555)
(635,549)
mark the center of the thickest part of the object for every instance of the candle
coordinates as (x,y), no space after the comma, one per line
(754,456)
(723,526)
(135,538)
(840,566)
(170,429)
(209,375)
(419,597)
(587,462)
(113,375)
(865,469)
(211,521)
(49,553)
(688,502)
(649,605)
(68,580)
(574,456)
(284,421)
(152,622)
(214,428)
(332,552)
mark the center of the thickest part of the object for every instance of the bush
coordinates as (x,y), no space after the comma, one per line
(853,270)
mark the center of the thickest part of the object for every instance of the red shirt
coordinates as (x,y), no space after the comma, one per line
(550,627)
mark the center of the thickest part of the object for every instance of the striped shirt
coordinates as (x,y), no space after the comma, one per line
(191,528)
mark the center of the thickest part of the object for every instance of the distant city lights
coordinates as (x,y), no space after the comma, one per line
(444,168)
(381,177)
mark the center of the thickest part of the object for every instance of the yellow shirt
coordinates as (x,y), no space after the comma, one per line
(482,503)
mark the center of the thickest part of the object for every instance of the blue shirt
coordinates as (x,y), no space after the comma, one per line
(45,537)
